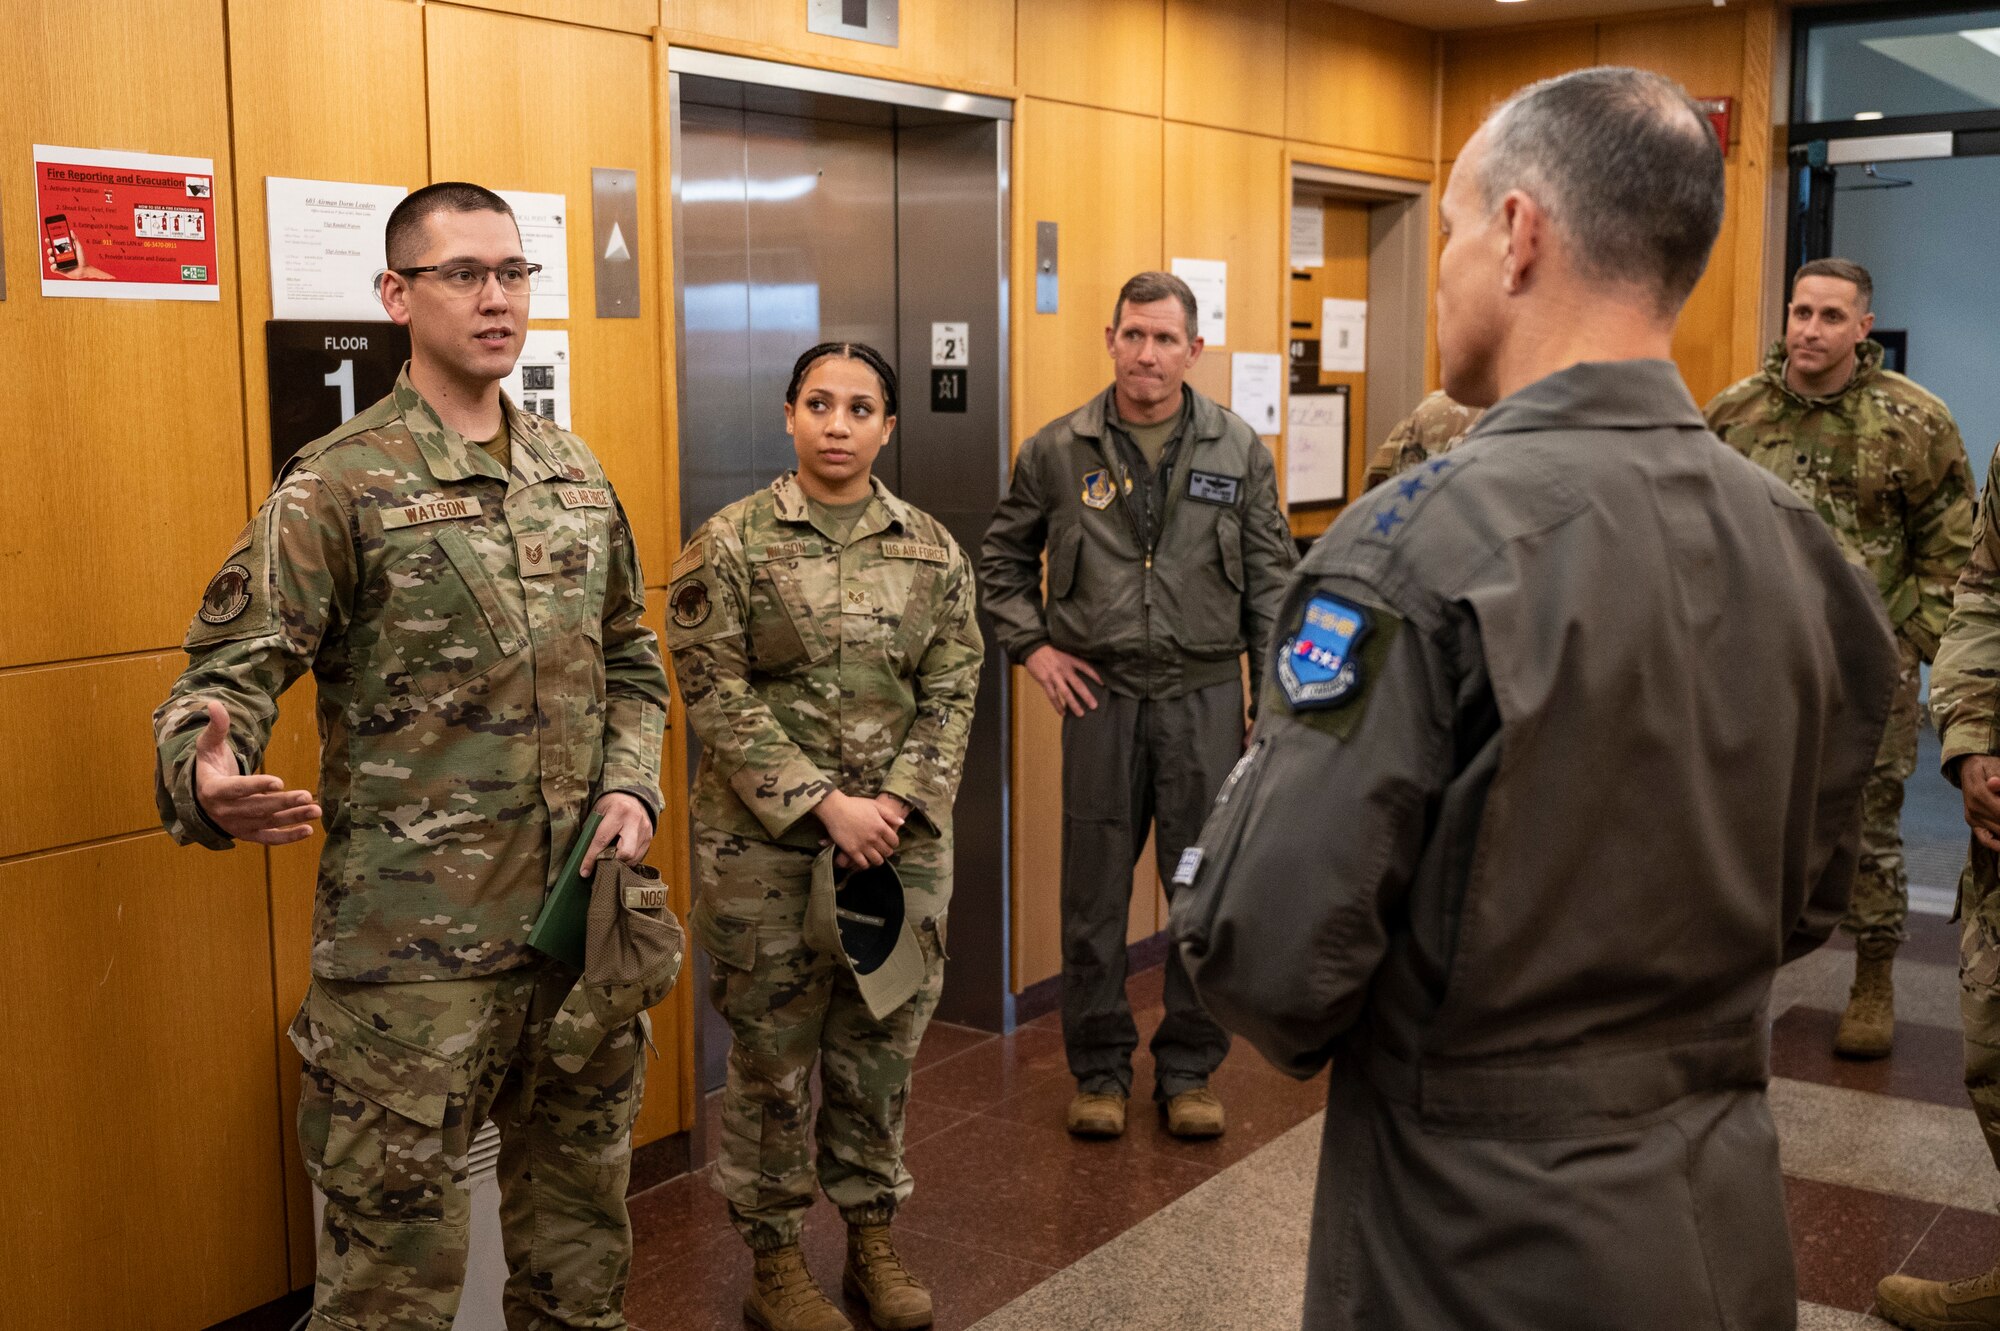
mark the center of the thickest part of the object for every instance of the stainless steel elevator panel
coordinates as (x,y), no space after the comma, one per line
(809,217)
(788,238)
(952,263)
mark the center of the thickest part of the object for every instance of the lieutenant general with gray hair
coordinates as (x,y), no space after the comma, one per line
(1560,757)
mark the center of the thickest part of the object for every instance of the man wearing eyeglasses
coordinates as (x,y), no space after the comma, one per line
(460,580)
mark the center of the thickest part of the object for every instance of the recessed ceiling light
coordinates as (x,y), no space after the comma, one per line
(1510,2)
(1867,115)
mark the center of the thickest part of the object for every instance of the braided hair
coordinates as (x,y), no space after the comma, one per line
(860,351)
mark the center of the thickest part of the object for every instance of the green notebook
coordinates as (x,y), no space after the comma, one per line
(558,931)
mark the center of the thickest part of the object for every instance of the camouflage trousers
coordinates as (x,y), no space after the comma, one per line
(788,1008)
(398,1080)
(1979,988)
(1881,900)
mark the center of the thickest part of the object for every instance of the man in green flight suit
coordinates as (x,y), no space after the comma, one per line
(1881,460)
(460,580)
(1167,553)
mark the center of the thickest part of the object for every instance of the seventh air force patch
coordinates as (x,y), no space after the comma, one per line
(1319,664)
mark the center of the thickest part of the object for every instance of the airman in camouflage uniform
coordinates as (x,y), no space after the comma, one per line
(1436,426)
(1881,460)
(481,672)
(812,661)
(1965,705)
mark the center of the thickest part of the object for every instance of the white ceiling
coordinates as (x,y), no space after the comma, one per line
(1491,13)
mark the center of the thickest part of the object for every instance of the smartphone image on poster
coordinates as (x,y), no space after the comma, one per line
(56,228)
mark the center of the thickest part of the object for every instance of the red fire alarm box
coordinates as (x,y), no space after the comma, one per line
(1718,110)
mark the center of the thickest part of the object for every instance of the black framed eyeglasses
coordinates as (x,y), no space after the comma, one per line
(469,279)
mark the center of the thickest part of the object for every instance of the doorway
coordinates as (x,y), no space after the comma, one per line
(1357,315)
(812,207)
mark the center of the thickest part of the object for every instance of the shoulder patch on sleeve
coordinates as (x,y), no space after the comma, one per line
(1328,666)
(1319,664)
(690,559)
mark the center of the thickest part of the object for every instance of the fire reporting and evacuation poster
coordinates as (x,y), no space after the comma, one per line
(125,226)
(539,384)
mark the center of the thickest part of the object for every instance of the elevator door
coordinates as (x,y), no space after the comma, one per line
(804,219)
(788,238)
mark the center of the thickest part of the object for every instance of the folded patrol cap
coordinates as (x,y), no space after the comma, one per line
(632,955)
(858,916)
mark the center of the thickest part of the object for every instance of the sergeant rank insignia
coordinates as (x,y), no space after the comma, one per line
(1317,666)
(1098,491)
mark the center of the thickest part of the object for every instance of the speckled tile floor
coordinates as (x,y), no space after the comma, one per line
(1019,1227)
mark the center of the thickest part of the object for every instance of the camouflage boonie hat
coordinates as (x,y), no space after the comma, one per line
(632,951)
(859,916)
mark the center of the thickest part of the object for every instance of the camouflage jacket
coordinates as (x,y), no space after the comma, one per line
(481,672)
(1882,462)
(1965,681)
(809,663)
(1436,426)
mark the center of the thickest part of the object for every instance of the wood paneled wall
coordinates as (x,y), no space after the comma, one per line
(1151,130)
(150,985)
(1711,53)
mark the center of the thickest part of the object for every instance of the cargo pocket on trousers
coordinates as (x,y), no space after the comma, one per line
(371,1115)
(731,944)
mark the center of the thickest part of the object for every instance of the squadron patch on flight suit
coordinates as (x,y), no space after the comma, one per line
(1319,665)
(1098,491)
(690,604)
(228,595)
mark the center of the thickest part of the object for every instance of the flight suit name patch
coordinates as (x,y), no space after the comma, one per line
(933,554)
(785,550)
(438,510)
(1213,488)
(584,496)
(1318,665)
(1098,491)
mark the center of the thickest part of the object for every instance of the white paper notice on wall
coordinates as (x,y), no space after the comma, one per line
(1316,447)
(326,247)
(1343,335)
(539,384)
(544,223)
(1209,280)
(1255,381)
(1308,234)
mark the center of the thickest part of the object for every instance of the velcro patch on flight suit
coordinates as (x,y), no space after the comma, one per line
(1328,665)
(1213,488)
(1098,491)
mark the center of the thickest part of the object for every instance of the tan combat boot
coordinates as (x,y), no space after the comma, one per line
(876,1276)
(1933,1305)
(783,1296)
(1868,1027)
(1097,1114)
(1195,1115)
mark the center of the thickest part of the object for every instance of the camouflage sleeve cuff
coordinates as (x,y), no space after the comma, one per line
(192,825)
(1963,741)
(780,796)
(923,798)
(648,797)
